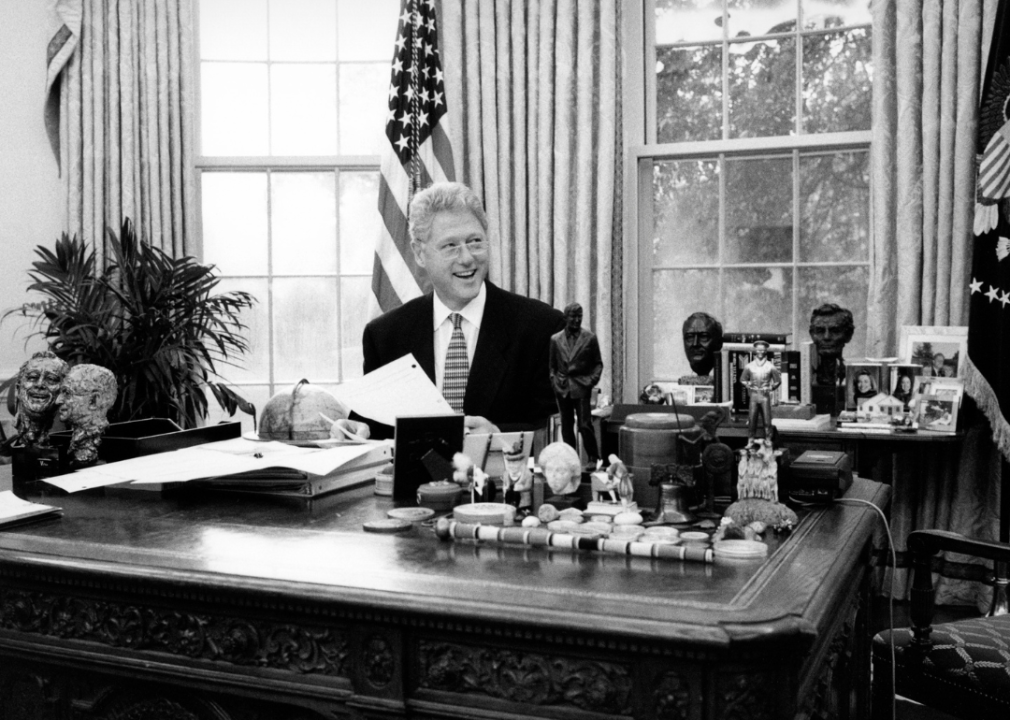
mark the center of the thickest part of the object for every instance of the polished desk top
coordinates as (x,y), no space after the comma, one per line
(317,552)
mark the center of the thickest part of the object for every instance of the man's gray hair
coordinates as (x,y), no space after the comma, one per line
(441,197)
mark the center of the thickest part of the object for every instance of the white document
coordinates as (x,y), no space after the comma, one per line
(399,388)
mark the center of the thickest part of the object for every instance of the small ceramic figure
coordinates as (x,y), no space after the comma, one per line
(761,378)
(517,480)
(561,467)
(576,367)
(757,488)
(86,395)
(38,386)
(652,394)
(702,342)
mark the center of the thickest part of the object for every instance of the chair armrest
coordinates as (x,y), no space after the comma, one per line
(930,542)
(923,545)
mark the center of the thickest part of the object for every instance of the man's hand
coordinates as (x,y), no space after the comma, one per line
(478,424)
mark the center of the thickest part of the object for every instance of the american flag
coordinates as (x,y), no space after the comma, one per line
(418,152)
(987,373)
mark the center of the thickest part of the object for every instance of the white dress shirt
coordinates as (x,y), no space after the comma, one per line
(472,314)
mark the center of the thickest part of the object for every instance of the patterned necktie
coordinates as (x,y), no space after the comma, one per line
(456,366)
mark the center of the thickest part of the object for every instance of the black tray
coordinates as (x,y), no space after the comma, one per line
(134,438)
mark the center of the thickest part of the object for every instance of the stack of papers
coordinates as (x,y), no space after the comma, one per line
(16,511)
(229,459)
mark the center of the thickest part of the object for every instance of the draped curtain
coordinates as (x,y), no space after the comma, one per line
(927,58)
(126,112)
(534,93)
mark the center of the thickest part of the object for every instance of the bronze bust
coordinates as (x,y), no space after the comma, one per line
(702,342)
(38,385)
(87,393)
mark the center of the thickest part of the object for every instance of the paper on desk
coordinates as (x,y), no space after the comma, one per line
(399,388)
(227,457)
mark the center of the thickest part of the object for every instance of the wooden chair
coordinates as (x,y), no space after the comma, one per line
(961,668)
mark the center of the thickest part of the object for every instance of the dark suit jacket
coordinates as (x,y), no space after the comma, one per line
(576,367)
(509,382)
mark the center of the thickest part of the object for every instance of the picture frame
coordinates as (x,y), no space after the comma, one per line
(939,350)
(863,380)
(936,403)
(898,388)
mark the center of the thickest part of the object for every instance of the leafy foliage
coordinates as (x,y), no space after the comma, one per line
(151,319)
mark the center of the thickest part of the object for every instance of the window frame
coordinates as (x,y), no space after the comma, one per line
(642,150)
(269,164)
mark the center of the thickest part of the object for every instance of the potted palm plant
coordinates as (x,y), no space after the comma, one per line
(155,321)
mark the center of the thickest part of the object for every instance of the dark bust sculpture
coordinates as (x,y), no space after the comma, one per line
(831,327)
(37,387)
(702,342)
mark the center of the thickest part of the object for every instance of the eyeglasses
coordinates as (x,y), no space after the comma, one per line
(452,250)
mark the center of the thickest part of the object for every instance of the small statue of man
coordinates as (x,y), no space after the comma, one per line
(38,385)
(576,367)
(86,395)
(517,480)
(702,342)
(761,378)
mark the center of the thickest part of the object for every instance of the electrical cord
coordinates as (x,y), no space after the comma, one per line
(890,593)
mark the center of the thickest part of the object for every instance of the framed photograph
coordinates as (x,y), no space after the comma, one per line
(902,383)
(862,382)
(939,351)
(938,412)
(704,394)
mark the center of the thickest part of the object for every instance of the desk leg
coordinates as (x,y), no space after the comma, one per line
(1004,501)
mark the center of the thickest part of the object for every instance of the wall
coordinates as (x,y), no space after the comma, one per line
(32,207)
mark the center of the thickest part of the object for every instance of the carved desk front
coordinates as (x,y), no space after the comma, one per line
(183,607)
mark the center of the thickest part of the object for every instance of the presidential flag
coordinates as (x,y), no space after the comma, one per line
(987,376)
(417,153)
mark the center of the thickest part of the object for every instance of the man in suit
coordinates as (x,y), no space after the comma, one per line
(485,349)
(576,367)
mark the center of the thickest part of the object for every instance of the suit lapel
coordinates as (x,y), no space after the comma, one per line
(489,364)
(423,340)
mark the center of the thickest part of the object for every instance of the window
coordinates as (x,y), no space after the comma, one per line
(291,119)
(753,183)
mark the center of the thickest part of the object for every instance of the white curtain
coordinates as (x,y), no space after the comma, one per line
(534,94)
(126,114)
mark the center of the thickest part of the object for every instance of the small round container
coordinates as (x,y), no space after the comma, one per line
(694,537)
(384,481)
(439,495)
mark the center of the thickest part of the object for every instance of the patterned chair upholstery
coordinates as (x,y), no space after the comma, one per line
(961,668)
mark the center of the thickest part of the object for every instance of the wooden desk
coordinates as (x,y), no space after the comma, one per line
(209,608)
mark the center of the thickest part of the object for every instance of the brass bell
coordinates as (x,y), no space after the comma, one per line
(673,506)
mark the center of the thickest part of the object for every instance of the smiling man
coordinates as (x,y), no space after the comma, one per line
(486,349)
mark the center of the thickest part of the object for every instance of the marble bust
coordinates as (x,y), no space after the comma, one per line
(86,395)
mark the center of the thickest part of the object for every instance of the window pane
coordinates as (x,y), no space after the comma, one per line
(836,81)
(686,212)
(762,88)
(819,14)
(357,307)
(359,221)
(254,365)
(367,30)
(306,336)
(233,29)
(688,21)
(303,30)
(835,202)
(364,102)
(233,109)
(688,93)
(760,17)
(677,294)
(304,223)
(235,222)
(759,212)
(758,300)
(303,107)
(844,286)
